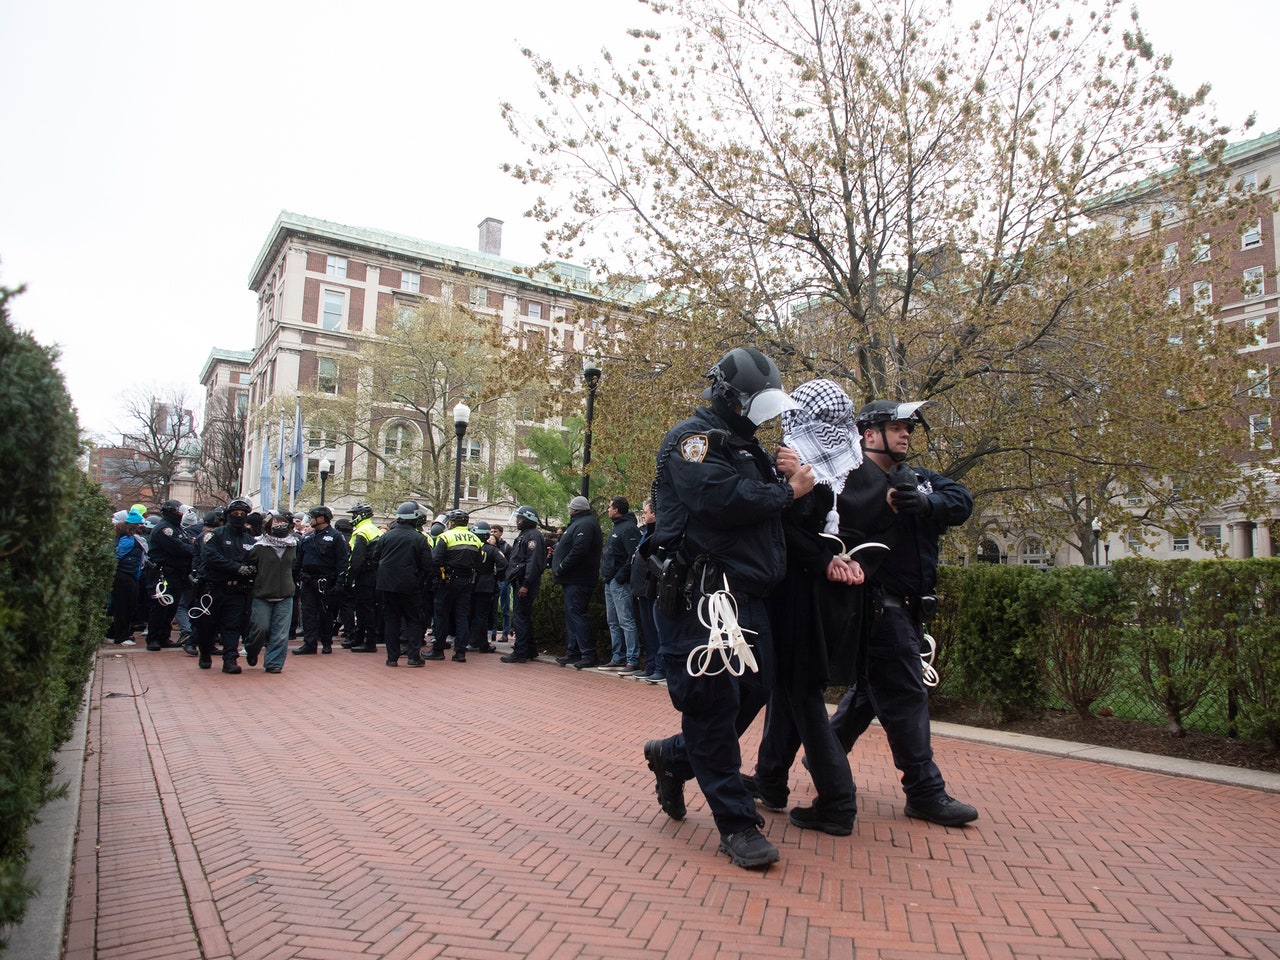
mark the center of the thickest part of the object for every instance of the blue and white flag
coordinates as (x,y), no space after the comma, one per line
(298,457)
(264,477)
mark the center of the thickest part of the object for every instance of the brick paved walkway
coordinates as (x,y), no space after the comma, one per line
(344,809)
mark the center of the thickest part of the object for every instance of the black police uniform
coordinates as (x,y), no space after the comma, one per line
(320,567)
(719,497)
(891,685)
(492,568)
(223,553)
(362,579)
(403,563)
(525,567)
(457,555)
(170,548)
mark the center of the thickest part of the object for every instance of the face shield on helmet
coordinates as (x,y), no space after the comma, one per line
(752,380)
(879,413)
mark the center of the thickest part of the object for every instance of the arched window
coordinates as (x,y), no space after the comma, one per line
(398,440)
(988,551)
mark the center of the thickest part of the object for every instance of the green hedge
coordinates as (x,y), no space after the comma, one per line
(1193,644)
(56,565)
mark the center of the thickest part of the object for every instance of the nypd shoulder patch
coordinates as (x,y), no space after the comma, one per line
(694,448)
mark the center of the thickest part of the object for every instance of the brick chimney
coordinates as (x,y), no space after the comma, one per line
(491,236)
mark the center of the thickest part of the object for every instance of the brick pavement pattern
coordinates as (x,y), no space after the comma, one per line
(343,809)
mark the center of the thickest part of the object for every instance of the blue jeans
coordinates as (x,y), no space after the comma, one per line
(270,619)
(576,626)
(620,607)
(504,610)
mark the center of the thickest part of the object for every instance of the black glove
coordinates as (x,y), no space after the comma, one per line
(902,477)
(244,571)
(913,502)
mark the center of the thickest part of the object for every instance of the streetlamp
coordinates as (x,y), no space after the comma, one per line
(325,467)
(461,417)
(590,376)
(1097,537)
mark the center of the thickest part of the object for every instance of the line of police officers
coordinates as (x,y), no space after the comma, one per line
(382,586)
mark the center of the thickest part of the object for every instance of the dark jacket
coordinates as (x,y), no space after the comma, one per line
(528,559)
(169,547)
(274,578)
(493,567)
(224,551)
(644,586)
(577,555)
(403,559)
(719,494)
(911,566)
(616,564)
(322,555)
(456,552)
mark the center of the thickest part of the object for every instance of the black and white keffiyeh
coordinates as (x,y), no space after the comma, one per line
(823,434)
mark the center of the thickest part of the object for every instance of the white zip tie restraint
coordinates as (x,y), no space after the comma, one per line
(931,677)
(718,612)
(847,554)
(162,594)
(201,608)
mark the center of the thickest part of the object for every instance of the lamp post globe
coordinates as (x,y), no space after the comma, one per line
(461,417)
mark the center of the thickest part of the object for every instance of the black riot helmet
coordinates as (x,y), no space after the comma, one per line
(525,518)
(410,512)
(747,377)
(360,511)
(456,518)
(171,510)
(321,512)
(878,413)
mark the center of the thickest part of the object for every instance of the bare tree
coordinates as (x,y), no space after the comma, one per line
(222,447)
(160,428)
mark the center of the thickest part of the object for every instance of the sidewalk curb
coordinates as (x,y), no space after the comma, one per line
(40,934)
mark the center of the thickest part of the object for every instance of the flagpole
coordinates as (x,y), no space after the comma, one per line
(296,454)
(280,457)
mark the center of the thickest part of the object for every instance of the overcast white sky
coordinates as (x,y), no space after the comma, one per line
(149,146)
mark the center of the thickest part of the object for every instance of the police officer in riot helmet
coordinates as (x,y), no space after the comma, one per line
(321,560)
(223,557)
(403,563)
(525,566)
(170,547)
(361,580)
(719,498)
(456,553)
(891,684)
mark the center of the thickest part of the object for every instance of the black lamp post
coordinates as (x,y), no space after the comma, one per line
(590,376)
(325,468)
(461,417)
(1097,538)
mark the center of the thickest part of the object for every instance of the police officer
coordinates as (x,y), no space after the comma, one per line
(320,567)
(223,555)
(170,548)
(457,554)
(362,578)
(719,499)
(492,568)
(403,563)
(891,685)
(525,567)
(575,565)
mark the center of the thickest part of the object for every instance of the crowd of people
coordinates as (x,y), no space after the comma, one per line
(750,582)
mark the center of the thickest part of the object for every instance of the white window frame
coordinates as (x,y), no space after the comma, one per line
(1249,181)
(1200,249)
(1173,297)
(479,296)
(325,314)
(403,434)
(317,439)
(410,282)
(1202,294)
(1260,382)
(1181,544)
(1260,431)
(1259,326)
(1252,237)
(335,266)
(1170,256)
(320,375)
(472,458)
(1211,533)
(1254,282)
(533,311)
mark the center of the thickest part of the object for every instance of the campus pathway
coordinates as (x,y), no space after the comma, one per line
(345,809)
